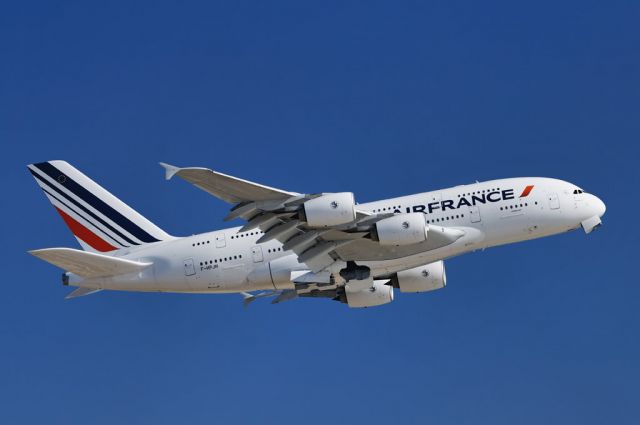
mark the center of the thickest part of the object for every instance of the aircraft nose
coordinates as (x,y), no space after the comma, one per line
(598,206)
(594,208)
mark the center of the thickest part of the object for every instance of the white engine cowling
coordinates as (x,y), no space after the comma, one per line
(401,229)
(421,279)
(377,294)
(332,209)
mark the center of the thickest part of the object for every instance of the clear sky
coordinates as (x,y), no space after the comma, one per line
(379,98)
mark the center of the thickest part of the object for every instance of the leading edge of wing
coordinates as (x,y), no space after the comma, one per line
(228,188)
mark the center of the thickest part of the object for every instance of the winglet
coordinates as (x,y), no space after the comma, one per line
(81,292)
(286,295)
(169,170)
(247,299)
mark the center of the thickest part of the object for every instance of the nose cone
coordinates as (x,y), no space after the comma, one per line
(598,206)
(595,208)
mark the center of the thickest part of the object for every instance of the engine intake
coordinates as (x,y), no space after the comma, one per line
(331,209)
(401,229)
(421,279)
(379,293)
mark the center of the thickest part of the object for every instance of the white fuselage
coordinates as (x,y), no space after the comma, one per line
(489,213)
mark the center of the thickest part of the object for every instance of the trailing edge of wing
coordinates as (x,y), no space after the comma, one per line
(228,188)
(88,264)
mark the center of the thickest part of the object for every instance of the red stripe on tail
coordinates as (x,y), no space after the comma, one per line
(526,191)
(95,241)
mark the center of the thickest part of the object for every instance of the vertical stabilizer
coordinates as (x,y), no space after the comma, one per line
(100,221)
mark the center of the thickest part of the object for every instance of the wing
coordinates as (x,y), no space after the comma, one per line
(227,188)
(287,217)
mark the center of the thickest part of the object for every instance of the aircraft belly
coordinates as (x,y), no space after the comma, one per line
(368,250)
(365,249)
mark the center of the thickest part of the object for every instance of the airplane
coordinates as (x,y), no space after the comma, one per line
(322,245)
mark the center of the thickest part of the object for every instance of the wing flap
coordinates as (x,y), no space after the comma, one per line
(88,264)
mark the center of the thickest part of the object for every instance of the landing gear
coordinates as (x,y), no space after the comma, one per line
(355,272)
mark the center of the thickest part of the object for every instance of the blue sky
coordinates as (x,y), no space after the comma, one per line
(379,98)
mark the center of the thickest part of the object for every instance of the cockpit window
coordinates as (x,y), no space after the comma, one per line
(578,191)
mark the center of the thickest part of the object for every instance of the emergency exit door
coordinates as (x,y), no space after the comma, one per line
(554,202)
(474,214)
(189,268)
(256,253)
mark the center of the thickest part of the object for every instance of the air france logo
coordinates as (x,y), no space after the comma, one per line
(405,224)
(527,190)
(468,201)
(334,205)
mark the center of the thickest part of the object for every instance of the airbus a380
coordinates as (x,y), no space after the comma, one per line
(301,245)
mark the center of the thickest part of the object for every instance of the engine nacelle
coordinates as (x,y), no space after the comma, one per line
(421,279)
(401,229)
(331,209)
(379,293)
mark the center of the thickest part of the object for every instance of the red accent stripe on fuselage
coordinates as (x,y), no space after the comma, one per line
(526,191)
(93,240)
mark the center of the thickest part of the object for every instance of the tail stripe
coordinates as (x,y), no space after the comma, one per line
(96,202)
(84,209)
(61,205)
(85,234)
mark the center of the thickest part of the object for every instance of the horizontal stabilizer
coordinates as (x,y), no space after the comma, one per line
(281,296)
(88,264)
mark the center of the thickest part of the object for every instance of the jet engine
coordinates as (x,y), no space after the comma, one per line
(401,229)
(379,293)
(421,279)
(331,209)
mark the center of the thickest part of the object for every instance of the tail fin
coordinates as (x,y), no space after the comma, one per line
(100,221)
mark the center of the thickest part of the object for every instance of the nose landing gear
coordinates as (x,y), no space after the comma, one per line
(591,224)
